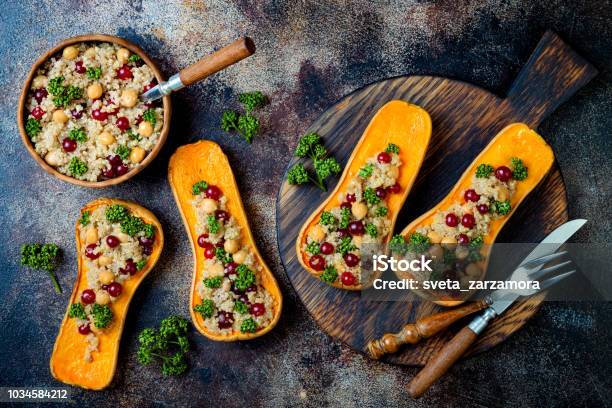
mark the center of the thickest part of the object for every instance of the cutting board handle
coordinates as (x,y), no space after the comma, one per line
(552,75)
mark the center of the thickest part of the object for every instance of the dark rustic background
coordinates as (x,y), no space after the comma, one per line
(309,55)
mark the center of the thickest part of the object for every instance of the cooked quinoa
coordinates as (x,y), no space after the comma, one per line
(334,244)
(454,239)
(85,117)
(116,246)
(232,298)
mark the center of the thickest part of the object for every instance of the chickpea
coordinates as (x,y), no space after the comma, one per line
(102,297)
(129,98)
(316,233)
(449,242)
(216,269)
(106,138)
(70,52)
(53,158)
(434,237)
(60,117)
(90,53)
(357,240)
(240,256)
(231,245)
(393,172)
(95,91)
(209,205)
(104,260)
(145,129)
(123,237)
(106,277)
(462,252)
(91,236)
(137,154)
(472,270)
(122,55)
(503,194)
(359,210)
(436,251)
(39,81)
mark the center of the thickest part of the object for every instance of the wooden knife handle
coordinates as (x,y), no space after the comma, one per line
(218,60)
(441,362)
(423,328)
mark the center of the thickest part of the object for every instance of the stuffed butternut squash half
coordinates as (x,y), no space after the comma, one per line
(234,295)
(458,233)
(363,207)
(118,243)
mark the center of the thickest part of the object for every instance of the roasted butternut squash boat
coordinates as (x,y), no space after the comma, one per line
(364,206)
(118,243)
(458,233)
(234,295)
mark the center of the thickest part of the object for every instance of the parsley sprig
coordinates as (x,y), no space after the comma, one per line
(311,146)
(245,124)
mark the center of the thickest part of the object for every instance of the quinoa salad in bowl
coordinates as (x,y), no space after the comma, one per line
(82,112)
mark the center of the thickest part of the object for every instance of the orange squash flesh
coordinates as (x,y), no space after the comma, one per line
(204,160)
(406,125)
(67,363)
(515,140)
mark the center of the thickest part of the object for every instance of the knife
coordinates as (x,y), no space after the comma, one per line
(500,301)
(215,62)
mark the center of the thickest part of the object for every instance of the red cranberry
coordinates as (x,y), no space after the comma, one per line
(151,84)
(112,241)
(123,123)
(327,248)
(222,215)
(138,119)
(146,242)
(468,220)
(342,232)
(383,157)
(130,267)
(230,269)
(202,240)
(84,329)
(463,239)
(503,173)
(105,286)
(114,160)
(209,251)
(347,279)
(77,114)
(471,195)
(451,220)
(124,73)
(220,244)
(69,145)
(351,198)
(89,251)
(37,112)
(148,250)
(109,173)
(483,208)
(381,192)
(394,189)
(351,259)
(252,288)
(317,262)
(346,205)
(114,289)
(356,228)
(225,320)
(257,309)
(40,94)
(244,298)
(121,170)
(88,296)
(213,192)
(79,68)
(97,114)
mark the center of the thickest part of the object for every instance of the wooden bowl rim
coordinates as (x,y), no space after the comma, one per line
(24,93)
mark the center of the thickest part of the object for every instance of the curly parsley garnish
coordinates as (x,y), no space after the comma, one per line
(150,116)
(392,148)
(500,207)
(370,196)
(244,277)
(327,218)
(42,257)
(313,248)
(241,307)
(78,135)
(484,170)
(77,167)
(213,224)
(248,326)
(345,246)
(366,171)
(311,146)
(329,275)
(33,128)
(102,315)
(214,282)
(85,218)
(371,230)
(519,171)
(77,310)
(94,73)
(199,187)
(381,211)
(63,95)
(206,308)
(245,124)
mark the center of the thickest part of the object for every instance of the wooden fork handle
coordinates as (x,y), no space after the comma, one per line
(441,362)
(423,328)
(218,60)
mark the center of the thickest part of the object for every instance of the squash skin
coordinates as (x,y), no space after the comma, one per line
(515,140)
(395,122)
(67,364)
(204,160)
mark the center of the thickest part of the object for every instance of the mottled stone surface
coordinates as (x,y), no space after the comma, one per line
(309,55)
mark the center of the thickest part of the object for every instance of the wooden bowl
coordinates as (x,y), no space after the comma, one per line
(26,87)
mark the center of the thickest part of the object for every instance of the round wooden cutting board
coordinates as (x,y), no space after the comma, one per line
(465,118)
